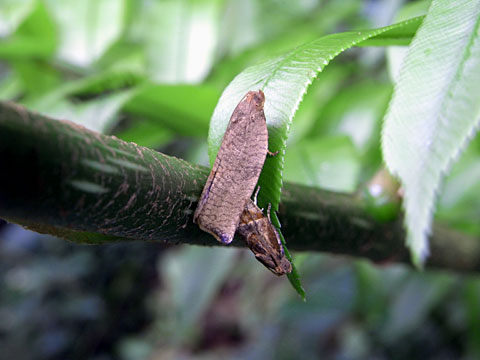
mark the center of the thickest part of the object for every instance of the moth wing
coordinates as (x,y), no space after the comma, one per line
(274,239)
(268,262)
(213,173)
(206,191)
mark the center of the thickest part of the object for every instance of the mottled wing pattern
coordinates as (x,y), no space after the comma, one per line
(236,169)
(263,240)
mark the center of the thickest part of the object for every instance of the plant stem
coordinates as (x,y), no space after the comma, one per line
(62,179)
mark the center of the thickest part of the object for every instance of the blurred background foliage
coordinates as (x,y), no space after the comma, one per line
(151,72)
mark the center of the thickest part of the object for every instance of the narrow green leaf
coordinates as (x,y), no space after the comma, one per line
(284,80)
(102,82)
(294,276)
(435,109)
(401,35)
(97,114)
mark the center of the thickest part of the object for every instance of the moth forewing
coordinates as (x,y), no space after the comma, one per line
(263,240)
(236,169)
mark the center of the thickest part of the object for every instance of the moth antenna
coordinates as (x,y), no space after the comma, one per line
(268,211)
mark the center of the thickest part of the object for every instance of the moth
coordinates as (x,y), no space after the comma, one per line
(225,205)
(236,169)
(263,240)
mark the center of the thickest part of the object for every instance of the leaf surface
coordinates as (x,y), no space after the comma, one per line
(435,109)
(284,80)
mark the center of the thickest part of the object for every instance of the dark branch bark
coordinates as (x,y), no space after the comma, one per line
(61,179)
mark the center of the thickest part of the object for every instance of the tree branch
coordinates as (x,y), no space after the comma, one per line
(62,179)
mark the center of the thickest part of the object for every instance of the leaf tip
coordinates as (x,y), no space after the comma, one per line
(419,250)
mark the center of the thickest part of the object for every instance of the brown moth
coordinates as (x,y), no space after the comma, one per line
(236,169)
(263,240)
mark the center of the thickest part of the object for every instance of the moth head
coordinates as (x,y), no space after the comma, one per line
(257,98)
(285,266)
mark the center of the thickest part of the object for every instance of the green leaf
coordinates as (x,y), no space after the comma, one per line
(330,163)
(247,39)
(459,203)
(12,13)
(35,37)
(146,132)
(320,94)
(99,114)
(102,82)
(396,54)
(293,276)
(10,87)
(123,57)
(37,77)
(184,109)
(284,80)
(87,28)
(356,111)
(434,111)
(180,38)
